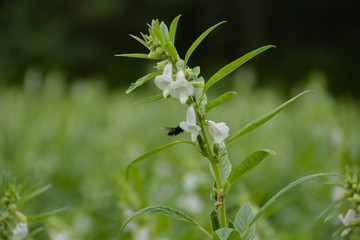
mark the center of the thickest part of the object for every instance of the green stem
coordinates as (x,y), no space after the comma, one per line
(216,168)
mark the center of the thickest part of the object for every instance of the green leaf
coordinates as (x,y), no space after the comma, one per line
(335,212)
(198,41)
(150,99)
(242,219)
(223,98)
(214,220)
(32,193)
(141,81)
(170,49)
(329,208)
(173,27)
(248,164)
(282,192)
(46,215)
(226,234)
(164,32)
(153,152)
(233,65)
(133,55)
(161,210)
(263,119)
(225,169)
(140,40)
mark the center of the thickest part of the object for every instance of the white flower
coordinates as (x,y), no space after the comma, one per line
(219,131)
(350,215)
(190,124)
(164,81)
(181,88)
(20,232)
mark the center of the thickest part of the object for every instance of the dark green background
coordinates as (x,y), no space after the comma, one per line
(80,38)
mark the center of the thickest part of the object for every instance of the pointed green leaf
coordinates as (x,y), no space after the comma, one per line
(46,215)
(150,99)
(214,220)
(133,55)
(226,234)
(161,210)
(329,208)
(141,81)
(335,212)
(263,119)
(223,98)
(225,168)
(282,192)
(32,193)
(248,164)
(153,152)
(140,40)
(164,32)
(198,41)
(233,65)
(242,219)
(173,27)
(169,48)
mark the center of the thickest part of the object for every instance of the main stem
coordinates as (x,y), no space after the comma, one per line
(216,168)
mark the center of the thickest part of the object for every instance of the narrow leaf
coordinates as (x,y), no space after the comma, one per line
(173,27)
(32,193)
(169,48)
(150,99)
(335,212)
(198,41)
(282,192)
(140,40)
(263,119)
(133,55)
(214,220)
(46,215)
(164,32)
(242,219)
(223,98)
(248,164)
(141,81)
(152,152)
(329,208)
(160,210)
(233,65)
(225,168)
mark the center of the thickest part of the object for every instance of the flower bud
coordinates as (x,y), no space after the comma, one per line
(20,216)
(198,84)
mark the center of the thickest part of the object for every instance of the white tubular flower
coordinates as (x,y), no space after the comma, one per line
(350,215)
(219,131)
(164,81)
(20,232)
(181,88)
(190,124)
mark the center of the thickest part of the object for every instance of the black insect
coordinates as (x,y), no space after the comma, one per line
(173,131)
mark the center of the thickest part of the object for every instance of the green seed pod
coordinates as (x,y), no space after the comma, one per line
(21,217)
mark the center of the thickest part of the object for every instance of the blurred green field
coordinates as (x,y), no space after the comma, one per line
(81,138)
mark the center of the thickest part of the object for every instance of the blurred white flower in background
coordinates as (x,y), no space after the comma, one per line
(20,232)
(350,215)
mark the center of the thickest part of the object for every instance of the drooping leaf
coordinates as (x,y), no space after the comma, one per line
(46,215)
(198,41)
(248,164)
(153,152)
(223,98)
(242,219)
(173,27)
(214,221)
(140,40)
(164,32)
(226,234)
(150,99)
(223,72)
(161,210)
(141,81)
(263,119)
(271,202)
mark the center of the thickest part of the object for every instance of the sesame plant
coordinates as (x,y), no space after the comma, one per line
(13,197)
(347,207)
(210,139)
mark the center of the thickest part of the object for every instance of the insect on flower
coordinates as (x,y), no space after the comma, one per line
(173,131)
